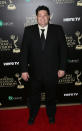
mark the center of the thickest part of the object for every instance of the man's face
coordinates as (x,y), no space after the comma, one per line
(43,18)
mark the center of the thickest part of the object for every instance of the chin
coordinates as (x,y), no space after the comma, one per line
(43,25)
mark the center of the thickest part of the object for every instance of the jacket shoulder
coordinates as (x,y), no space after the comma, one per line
(56,26)
(31,27)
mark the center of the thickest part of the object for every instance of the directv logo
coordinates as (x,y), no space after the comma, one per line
(71,94)
(10,63)
(71,19)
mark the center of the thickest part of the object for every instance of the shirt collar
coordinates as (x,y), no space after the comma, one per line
(46,27)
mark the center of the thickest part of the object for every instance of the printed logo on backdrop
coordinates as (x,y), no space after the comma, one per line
(32,20)
(74,40)
(74,2)
(5,45)
(65,1)
(70,41)
(43,96)
(71,94)
(0,104)
(8,3)
(19,78)
(67,79)
(73,60)
(11,82)
(72,19)
(11,6)
(79,40)
(39,1)
(11,63)
(71,79)
(4,23)
(15,40)
(7,82)
(78,81)
(14,98)
(3,3)
(79,3)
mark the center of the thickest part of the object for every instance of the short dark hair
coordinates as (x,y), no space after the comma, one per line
(43,8)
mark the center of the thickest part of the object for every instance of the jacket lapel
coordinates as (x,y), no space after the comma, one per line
(37,32)
(48,34)
(37,35)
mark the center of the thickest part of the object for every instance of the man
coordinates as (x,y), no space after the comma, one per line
(44,49)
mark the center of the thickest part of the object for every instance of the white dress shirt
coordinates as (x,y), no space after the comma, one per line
(45,30)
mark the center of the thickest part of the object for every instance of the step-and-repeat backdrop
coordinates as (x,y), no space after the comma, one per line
(17,14)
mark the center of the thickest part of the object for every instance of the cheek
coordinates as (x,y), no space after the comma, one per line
(46,19)
(39,20)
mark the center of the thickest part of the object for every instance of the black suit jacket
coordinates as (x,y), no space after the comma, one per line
(43,62)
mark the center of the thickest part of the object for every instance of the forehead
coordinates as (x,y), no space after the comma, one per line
(42,12)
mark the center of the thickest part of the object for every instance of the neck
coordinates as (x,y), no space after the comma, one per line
(43,25)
